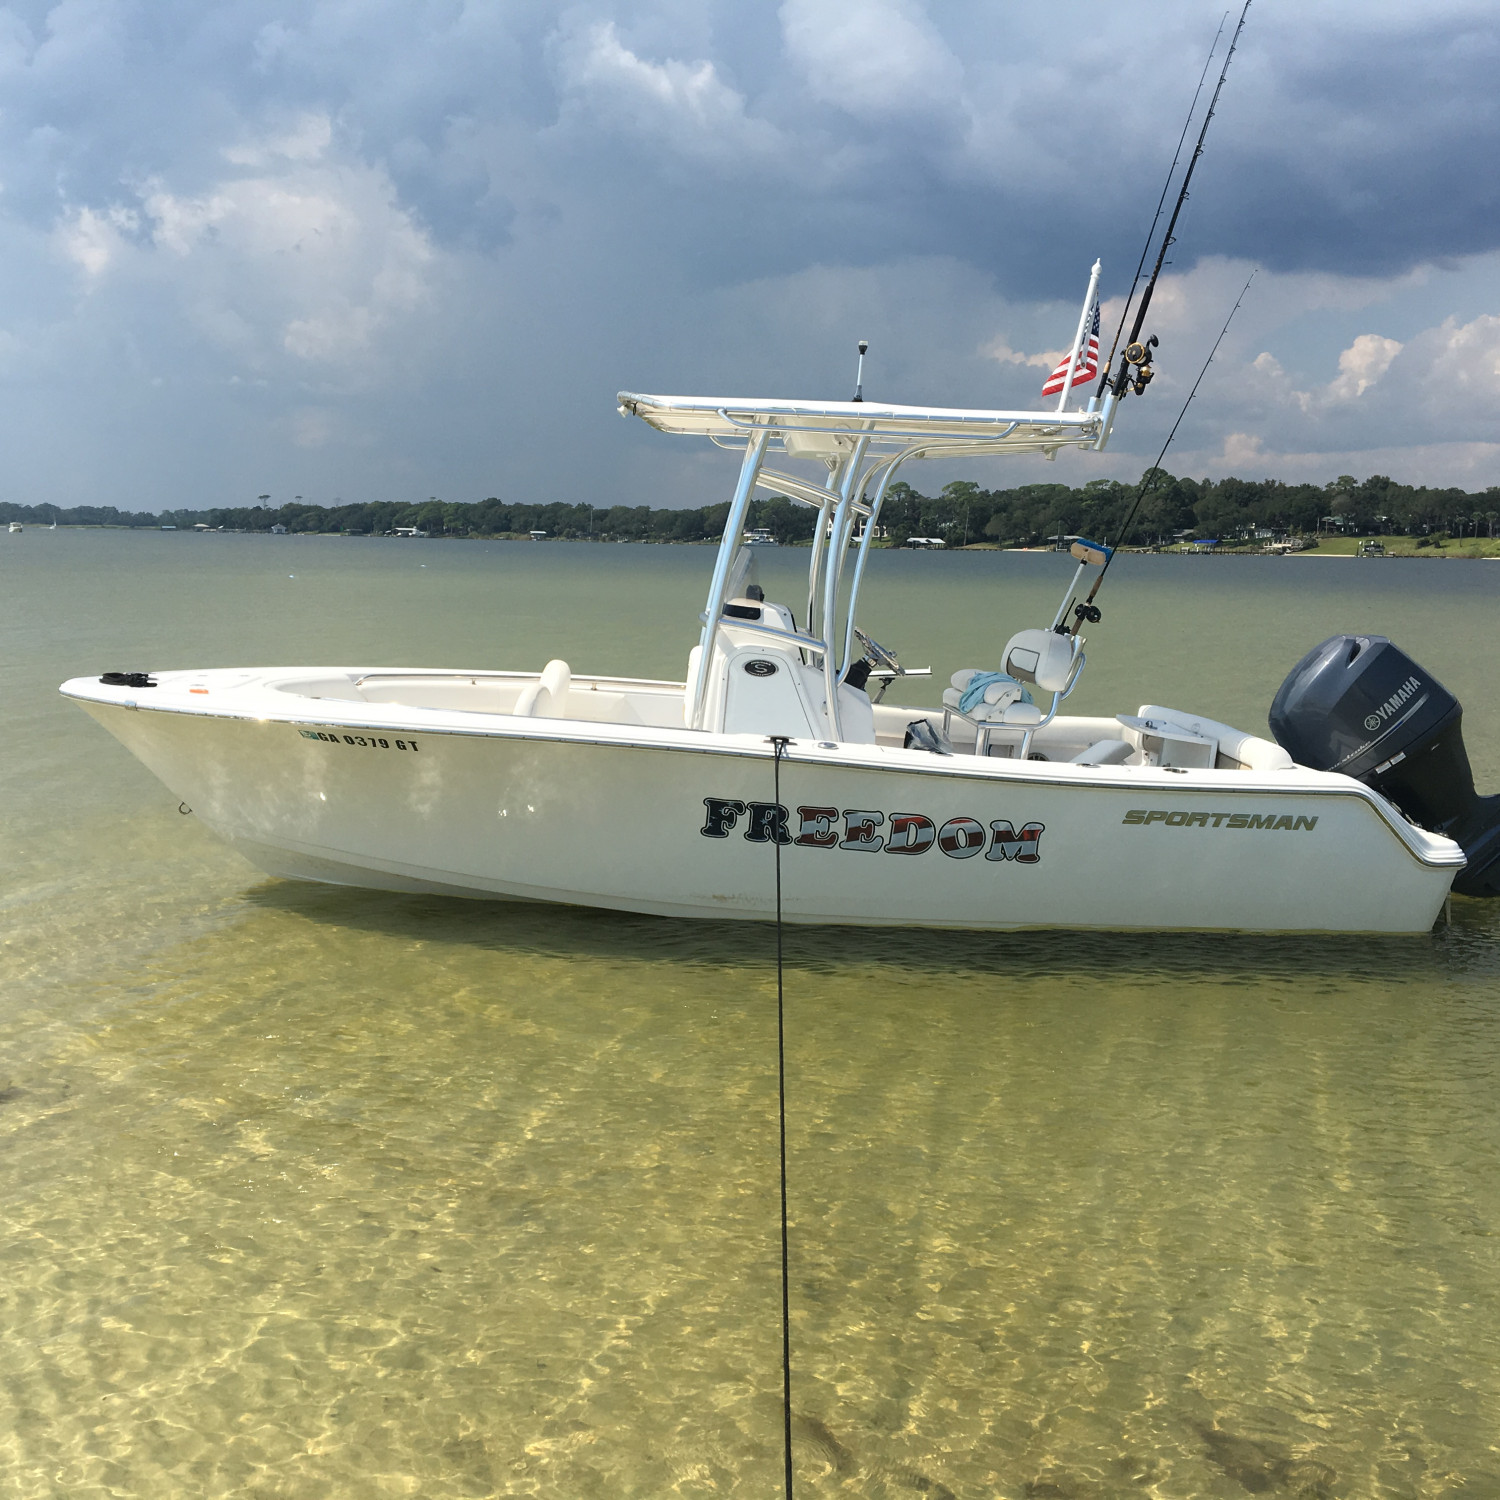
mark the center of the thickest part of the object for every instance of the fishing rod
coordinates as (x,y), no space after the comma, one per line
(1137,354)
(1088,610)
(1161,203)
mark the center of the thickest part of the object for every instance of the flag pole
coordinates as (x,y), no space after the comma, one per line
(1083,323)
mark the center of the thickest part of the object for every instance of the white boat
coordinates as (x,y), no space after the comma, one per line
(15,526)
(761,536)
(996,812)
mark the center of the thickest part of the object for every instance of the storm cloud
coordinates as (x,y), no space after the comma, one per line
(386,250)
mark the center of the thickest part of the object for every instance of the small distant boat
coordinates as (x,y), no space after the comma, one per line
(15,525)
(760,537)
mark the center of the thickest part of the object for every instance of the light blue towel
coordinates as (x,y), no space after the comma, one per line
(973,695)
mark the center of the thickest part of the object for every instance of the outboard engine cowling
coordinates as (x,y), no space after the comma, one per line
(1359,705)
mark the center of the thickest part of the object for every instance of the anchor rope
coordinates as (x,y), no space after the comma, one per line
(780,742)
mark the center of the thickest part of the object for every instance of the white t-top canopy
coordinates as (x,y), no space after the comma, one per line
(812,429)
(861,445)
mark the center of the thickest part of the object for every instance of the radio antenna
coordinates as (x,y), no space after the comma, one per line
(859,371)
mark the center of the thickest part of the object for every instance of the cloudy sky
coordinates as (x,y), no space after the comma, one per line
(387,249)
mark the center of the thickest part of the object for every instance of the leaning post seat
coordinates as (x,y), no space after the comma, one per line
(1002,707)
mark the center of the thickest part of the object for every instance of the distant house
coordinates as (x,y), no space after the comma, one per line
(925,541)
(278,529)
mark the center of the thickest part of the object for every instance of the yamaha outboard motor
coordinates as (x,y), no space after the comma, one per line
(1359,705)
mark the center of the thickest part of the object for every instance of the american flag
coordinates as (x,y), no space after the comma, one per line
(1088,361)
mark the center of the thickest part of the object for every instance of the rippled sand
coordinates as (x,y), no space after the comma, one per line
(312,1193)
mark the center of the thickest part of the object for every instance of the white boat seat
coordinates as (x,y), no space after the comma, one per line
(998,698)
(547,697)
(1000,708)
(1104,753)
(1013,712)
(1042,657)
(1021,715)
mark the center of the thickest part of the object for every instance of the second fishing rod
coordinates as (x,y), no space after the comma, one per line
(1134,371)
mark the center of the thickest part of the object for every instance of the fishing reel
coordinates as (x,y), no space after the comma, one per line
(878,661)
(879,656)
(1139,355)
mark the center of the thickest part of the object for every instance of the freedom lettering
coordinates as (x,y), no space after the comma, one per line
(866,831)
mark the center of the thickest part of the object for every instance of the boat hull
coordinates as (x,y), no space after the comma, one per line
(683,826)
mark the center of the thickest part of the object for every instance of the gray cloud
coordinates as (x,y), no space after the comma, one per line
(404,247)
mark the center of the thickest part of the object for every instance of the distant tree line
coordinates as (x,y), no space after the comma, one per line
(1226,509)
(1029,515)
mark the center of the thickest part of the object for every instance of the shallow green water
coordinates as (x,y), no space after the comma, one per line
(311,1193)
